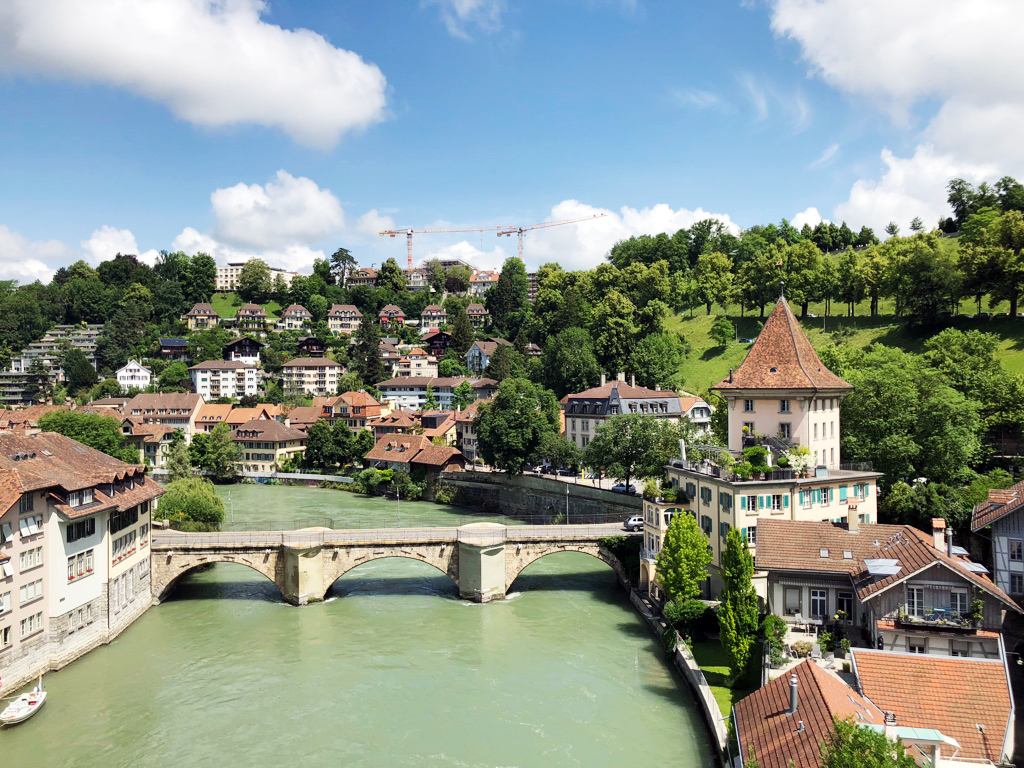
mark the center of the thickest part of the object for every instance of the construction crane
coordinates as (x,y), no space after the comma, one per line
(410,232)
(520,231)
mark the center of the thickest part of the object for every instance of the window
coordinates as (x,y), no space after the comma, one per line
(776,502)
(1016,583)
(123,546)
(30,592)
(5,602)
(819,603)
(958,648)
(25,503)
(917,645)
(5,637)
(785,430)
(815,431)
(723,530)
(844,603)
(705,524)
(122,519)
(725,499)
(31,625)
(1016,549)
(784,406)
(30,558)
(791,601)
(30,526)
(750,534)
(748,406)
(81,530)
(751,504)
(5,533)
(958,602)
(80,565)
(915,601)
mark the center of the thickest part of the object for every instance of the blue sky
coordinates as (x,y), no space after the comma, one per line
(288,128)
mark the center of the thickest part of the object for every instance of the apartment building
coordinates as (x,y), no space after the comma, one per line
(225,378)
(74,551)
(176,410)
(227,277)
(416,362)
(433,316)
(363,276)
(265,445)
(316,376)
(344,319)
(391,316)
(410,392)
(481,281)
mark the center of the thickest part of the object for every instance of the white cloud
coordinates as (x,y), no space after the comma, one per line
(899,56)
(481,259)
(284,211)
(296,257)
(26,261)
(825,157)
(459,15)
(807,216)
(211,62)
(695,97)
(106,242)
(373,223)
(768,99)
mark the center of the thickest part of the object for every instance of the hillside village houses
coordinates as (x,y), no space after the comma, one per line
(311,375)
(15,386)
(295,317)
(133,375)
(363,276)
(74,551)
(225,378)
(410,392)
(201,317)
(1001,516)
(178,411)
(227,277)
(416,362)
(343,319)
(478,315)
(479,354)
(481,281)
(391,316)
(251,318)
(244,350)
(433,317)
(783,390)
(266,444)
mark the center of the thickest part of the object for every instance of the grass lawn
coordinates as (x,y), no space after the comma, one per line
(714,663)
(227,304)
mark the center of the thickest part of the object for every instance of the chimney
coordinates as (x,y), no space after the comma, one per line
(632,380)
(730,375)
(852,520)
(794,697)
(889,728)
(621,377)
(938,533)
(949,542)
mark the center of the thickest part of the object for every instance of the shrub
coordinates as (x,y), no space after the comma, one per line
(445,493)
(773,627)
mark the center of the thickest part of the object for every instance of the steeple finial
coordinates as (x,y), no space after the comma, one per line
(782,288)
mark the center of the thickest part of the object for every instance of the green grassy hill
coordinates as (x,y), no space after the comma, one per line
(227,304)
(708,364)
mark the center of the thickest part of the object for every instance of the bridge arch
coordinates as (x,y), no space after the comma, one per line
(518,561)
(442,557)
(168,568)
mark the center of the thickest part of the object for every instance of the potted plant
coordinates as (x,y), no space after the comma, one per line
(843,649)
(775,657)
(725,459)
(743,470)
(977,611)
(799,458)
(652,489)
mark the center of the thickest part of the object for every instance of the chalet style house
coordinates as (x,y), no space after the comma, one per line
(433,316)
(201,317)
(244,350)
(783,409)
(478,315)
(251,318)
(294,318)
(343,319)
(391,316)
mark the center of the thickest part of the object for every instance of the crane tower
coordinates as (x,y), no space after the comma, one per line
(410,232)
(520,231)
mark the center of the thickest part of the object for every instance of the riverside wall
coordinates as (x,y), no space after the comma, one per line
(539,499)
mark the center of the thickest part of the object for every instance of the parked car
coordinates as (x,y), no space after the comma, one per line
(746,341)
(623,488)
(634,523)
(565,472)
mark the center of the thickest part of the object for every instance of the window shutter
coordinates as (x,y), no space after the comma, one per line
(785,501)
(867,488)
(743,532)
(831,495)
(23,525)
(6,568)
(842,493)
(6,533)
(743,502)
(760,502)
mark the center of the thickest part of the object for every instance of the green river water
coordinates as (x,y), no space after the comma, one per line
(391,670)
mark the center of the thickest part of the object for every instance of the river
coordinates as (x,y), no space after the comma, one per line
(391,670)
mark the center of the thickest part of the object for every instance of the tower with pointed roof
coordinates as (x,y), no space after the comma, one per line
(783,390)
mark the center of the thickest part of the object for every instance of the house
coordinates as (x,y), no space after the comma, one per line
(212,414)
(354,409)
(903,589)
(390,355)
(433,317)
(201,317)
(74,551)
(416,279)
(478,315)
(697,410)
(174,349)
(294,317)
(302,417)
(968,701)
(789,718)
(480,352)
(416,362)
(465,431)
(153,441)
(344,319)
(310,346)
(391,316)
(251,318)
(261,412)
(411,391)
(133,375)
(26,419)
(406,452)
(438,425)
(312,375)
(178,410)
(481,281)
(393,423)
(225,378)
(1001,516)
(227,277)
(114,405)
(265,445)
(437,343)
(586,411)
(784,403)
(363,276)
(244,350)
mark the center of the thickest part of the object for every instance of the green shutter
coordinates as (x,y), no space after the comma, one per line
(785,501)
(831,495)
(842,493)
(743,502)
(867,488)
(760,502)
(743,531)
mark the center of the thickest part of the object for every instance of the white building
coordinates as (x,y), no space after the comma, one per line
(317,376)
(134,375)
(224,378)
(227,277)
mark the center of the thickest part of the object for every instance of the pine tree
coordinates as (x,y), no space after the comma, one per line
(737,615)
(683,561)
(508,300)
(462,333)
(366,357)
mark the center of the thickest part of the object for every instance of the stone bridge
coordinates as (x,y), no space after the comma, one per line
(483,559)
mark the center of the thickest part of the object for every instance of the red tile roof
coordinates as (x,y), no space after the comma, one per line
(951,694)
(999,504)
(267,430)
(797,545)
(782,358)
(439,456)
(397,448)
(764,723)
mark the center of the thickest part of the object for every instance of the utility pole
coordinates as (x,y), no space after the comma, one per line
(566,503)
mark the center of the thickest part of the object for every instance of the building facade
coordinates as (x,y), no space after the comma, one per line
(201,317)
(251,318)
(1001,516)
(225,378)
(172,409)
(265,445)
(227,277)
(344,319)
(294,318)
(410,392)
(133,375)
(312,375)
(244,350)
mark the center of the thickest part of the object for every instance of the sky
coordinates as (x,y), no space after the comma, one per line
(286,129)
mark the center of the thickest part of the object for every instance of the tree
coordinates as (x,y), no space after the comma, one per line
(342,264)
(714,276)
(457,279)
(221,453)
(506,363)
(202,278)
(322,269)
(656,360)
(633,445)
(449,367)
(320,447)
(391,277)
(208,344)
(558,451)
(511,427)
(722,331)
(462,333)
(436,276)
(568,362)
(78,371)
(851,745)
(254,284)
(366,359)
(429,400)
(916,225)
(175,378)
(682,563)
(193,503)
(100,432)
(615,330)
(926,281)
(179,462)
(737,614)
(463,396)
(318,307)
(892,229)
(508,299)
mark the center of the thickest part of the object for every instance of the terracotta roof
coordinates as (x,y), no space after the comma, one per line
(434,308)
(213,413)
(391,309)
(201,308)
(443,428)
(251,310)
(337,309)
(107,402)
(296,309)
(469,414)
(998,505)
(28,416)
(152,433)
(398,419)
(358,398)
(267,429)
(399,448)
(364,272)
(782,358)
(244,340)
(792,545)
(241,415)
(314,362)
(951,694)
(303,416)
(177,400)
(437,455)
(220,365)
(764,723)
(476,309)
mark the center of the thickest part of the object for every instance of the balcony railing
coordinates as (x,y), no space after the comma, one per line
(648,555)
(933,618)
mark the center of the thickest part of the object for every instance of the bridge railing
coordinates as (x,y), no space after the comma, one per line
(389,520)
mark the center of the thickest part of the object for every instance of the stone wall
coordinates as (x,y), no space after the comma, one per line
(539,499)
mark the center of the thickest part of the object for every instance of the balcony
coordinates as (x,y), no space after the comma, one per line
(648,555)
(932,618)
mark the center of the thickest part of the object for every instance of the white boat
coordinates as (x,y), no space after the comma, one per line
(24,706)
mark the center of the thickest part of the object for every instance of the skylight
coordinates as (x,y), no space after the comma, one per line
(882,566)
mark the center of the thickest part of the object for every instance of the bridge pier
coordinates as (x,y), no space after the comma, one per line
(482,562)
(302,574)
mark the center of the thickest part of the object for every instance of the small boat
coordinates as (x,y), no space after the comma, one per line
(24,706)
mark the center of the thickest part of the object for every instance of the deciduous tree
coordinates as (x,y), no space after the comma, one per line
(851,745)
(511,427)
(737,614)
(193,503)
(682,564)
